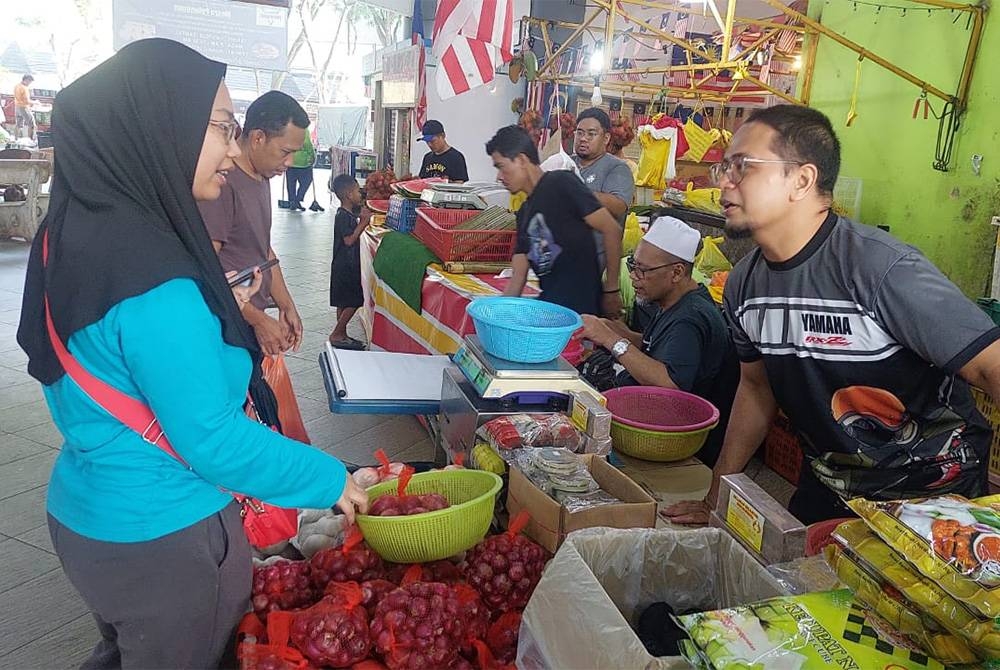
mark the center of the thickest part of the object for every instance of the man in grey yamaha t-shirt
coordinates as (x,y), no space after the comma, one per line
(866,347)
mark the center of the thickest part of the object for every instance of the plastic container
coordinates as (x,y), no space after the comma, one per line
(782,450)
(523,330)
(433,536)
(984,403)
(402,214)
(434,227)
(658,424)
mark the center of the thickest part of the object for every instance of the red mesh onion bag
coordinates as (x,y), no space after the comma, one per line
(267,649)
(334,632)
(353,561)
(418,626)
(282,585)
(505,568)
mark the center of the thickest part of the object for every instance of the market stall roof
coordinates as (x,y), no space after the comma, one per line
(16,60)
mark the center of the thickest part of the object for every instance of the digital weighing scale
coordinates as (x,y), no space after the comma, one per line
(526,383)
(481,387)
(470,195)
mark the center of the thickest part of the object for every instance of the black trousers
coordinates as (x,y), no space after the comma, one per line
(172,602)
(298,181)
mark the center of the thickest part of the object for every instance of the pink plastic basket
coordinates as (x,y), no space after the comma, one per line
(660,409)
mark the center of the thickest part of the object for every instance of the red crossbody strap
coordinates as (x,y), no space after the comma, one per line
(131,412)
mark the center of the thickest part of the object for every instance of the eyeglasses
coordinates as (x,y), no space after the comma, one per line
(641,273)
(734,169)
(589,134)
(231,129)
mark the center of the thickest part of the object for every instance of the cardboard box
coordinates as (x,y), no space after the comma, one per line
(759,522)
(550,523)
(592,593)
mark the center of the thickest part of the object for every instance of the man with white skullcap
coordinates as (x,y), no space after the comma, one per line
(687,344)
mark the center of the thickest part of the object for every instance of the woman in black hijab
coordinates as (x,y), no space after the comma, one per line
(155,546)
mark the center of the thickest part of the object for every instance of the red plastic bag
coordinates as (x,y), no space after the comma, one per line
(276,376)
(502,636)
(261,649)
(334,632)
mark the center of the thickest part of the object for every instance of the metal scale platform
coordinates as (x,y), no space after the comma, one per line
(481,387)
(470,195)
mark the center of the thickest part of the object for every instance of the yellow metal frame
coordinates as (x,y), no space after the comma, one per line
(812,31)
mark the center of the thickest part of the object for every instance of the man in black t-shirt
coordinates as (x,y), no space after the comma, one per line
(442,160)
(554,230)
(687,344)
(866,347)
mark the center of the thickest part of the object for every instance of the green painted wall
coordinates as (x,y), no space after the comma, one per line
(945,215)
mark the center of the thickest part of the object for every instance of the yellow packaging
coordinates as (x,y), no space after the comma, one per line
(484,458)
(711,259)
(892,606)
(982,633)
(950,539)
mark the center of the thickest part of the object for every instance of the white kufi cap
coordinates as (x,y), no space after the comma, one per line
(675,237)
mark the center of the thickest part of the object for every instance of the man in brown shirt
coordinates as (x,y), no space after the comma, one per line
(239,222)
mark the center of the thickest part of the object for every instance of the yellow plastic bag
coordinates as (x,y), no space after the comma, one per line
(705,199)
(699,140)
(954,616)
(632,234)
(711,259)
(653,161)
(516,200)
(895,608)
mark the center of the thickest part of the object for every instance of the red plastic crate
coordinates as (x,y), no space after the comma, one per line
(434,229)
(782,450)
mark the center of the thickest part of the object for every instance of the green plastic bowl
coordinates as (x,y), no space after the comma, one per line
(433,536)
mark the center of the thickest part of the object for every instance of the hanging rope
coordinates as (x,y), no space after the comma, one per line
(852,113)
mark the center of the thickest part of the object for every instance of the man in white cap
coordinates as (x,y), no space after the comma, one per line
(687,344)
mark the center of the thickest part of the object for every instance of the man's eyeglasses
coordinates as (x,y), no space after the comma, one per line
(642,272)
(230,129)
(734,168)
(589,134)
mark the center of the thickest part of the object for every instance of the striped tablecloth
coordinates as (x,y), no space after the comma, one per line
(391,325)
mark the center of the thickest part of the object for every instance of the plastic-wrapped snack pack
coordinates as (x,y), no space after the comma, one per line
(895,608)
(981,633)
(949,539)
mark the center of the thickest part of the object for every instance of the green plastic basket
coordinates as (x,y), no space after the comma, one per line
(653,445)
(434,535)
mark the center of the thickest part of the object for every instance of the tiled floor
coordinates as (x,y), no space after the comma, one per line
(43,623)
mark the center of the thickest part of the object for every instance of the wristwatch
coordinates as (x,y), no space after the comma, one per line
(619,348)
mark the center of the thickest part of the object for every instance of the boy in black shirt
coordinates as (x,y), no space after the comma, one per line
(554,230)
(442,160)
(345,268)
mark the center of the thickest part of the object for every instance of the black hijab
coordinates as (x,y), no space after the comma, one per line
(122,219)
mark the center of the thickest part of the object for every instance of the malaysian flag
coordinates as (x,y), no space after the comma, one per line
(420,109)
(471,39)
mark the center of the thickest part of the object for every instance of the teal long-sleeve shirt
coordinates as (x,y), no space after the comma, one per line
(165,347)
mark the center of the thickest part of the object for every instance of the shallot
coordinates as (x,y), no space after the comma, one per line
(334,632)
(354,561)
(506,568)
(282,585)
(418,626)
